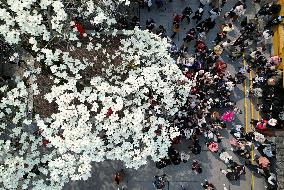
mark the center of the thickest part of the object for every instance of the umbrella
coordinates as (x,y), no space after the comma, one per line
(213,146)
(259,137)
(261,126)
(272,122)
(228,116)
(263,162)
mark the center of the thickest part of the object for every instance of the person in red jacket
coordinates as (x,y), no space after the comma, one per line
(79,28)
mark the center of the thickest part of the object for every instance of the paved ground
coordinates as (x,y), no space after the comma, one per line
(141,179)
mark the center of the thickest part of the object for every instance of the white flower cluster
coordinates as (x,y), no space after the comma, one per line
(13,106)
(90,8)
(59,17)
(29,22)
(49,55)
(19,149)
(130,118)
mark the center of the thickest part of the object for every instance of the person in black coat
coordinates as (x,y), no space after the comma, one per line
(187,11)
(161,31)
(198,13)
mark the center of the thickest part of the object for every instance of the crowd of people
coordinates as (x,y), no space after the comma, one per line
(210,108)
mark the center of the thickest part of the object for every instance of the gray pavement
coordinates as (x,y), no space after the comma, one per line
(141,179)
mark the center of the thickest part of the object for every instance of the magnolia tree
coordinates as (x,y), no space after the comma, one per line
(96,97)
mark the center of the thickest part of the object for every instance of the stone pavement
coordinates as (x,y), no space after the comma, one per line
(141,179)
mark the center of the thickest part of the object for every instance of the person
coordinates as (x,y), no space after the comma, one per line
(262,161)
(187,11)
(220,65)
(227,27)
(200,46)
(264,10)
(271,182)
(159,3)
(161,164)
(274,22)
(218,50)
(230,175)
(212,146)
(274,9)
(176,29)
(184,157)
(118,177)
(207,186)
(225,157)
(191,35)
(226,44)
(237,168)
(196,148)
(176,18)
(134,22)
(209,24)
(215,4)
(220,37)
(214,13)
(231,15)
(204,2)
(198,14)
(173,49)
(223,3)
(79,26)
(150,24)
(268,9)
(174,156)
(196,167)
(161,31)
(149,4)
(240,10)
(159,182)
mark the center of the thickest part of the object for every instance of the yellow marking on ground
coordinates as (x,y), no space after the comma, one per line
(251,126)
(251,102)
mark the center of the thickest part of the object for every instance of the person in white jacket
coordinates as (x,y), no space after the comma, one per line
(225,157)
(149,4)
